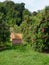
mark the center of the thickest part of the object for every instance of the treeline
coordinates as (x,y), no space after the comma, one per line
(34,26)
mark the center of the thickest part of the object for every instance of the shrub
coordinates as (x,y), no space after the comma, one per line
(41,35)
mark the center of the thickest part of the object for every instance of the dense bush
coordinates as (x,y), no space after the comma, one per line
(41,35)
(34,26)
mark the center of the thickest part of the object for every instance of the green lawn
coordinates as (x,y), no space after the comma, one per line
(22,57)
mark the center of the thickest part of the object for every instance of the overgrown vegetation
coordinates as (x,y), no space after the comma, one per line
(34,26)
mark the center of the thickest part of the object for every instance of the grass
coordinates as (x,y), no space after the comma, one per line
(23,57)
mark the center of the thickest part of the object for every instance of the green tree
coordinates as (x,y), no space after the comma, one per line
(4,29)
(41,40)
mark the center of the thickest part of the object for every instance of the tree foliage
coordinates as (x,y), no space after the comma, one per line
(42,32)
(34,26)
